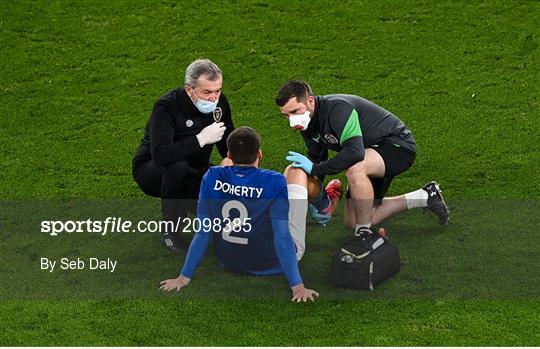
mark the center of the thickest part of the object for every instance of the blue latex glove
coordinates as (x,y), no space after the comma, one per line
(300,161)
(319,217)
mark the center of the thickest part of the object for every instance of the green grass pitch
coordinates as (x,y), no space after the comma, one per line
(78,81)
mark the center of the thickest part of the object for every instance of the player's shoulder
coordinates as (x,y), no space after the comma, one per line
(268,172)
(215,171)
(213,174)
(259,173)
(271,174)
(273,182)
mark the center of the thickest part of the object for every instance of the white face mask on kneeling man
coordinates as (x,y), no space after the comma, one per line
(300,121)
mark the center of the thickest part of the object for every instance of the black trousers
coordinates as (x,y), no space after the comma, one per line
(177,185)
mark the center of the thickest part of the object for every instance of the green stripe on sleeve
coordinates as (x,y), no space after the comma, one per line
(352,128)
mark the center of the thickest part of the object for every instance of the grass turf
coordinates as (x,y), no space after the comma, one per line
(78,83)
(199,322)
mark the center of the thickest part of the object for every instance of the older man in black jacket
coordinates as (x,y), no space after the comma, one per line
(179,137)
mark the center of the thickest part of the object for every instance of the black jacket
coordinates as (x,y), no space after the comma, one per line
(348,124)
(170,134)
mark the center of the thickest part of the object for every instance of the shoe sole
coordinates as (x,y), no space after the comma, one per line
(439,192)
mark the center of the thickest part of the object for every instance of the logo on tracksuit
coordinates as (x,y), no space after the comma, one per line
(330,138)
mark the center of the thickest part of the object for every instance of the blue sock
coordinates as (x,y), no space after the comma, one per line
(322,201)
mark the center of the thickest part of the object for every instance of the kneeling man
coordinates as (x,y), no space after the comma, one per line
(373,146)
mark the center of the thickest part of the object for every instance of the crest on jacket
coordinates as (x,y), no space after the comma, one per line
(217,113)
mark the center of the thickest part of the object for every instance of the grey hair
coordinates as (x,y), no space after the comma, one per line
(201,67)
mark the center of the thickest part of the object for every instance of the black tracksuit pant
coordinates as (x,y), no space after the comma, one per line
(177,185)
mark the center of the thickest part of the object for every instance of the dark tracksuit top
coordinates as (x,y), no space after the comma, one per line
(348,124)
(170,134)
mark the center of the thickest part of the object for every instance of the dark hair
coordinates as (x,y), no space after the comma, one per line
(293,88)
(243,144)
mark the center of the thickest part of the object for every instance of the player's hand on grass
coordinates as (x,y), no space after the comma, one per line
(300,161)
(174,284)
(303,294)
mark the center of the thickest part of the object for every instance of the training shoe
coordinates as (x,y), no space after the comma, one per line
(334,190)
(174,243)
(363,232)
(435,202)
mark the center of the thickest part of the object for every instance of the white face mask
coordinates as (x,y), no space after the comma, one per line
(205,107)
(300,122)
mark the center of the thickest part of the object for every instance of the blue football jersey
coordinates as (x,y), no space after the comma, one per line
(243,200)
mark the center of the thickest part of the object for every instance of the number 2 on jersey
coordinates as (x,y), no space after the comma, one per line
(235,225)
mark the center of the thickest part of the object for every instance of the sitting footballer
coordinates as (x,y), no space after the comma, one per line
(245,211)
